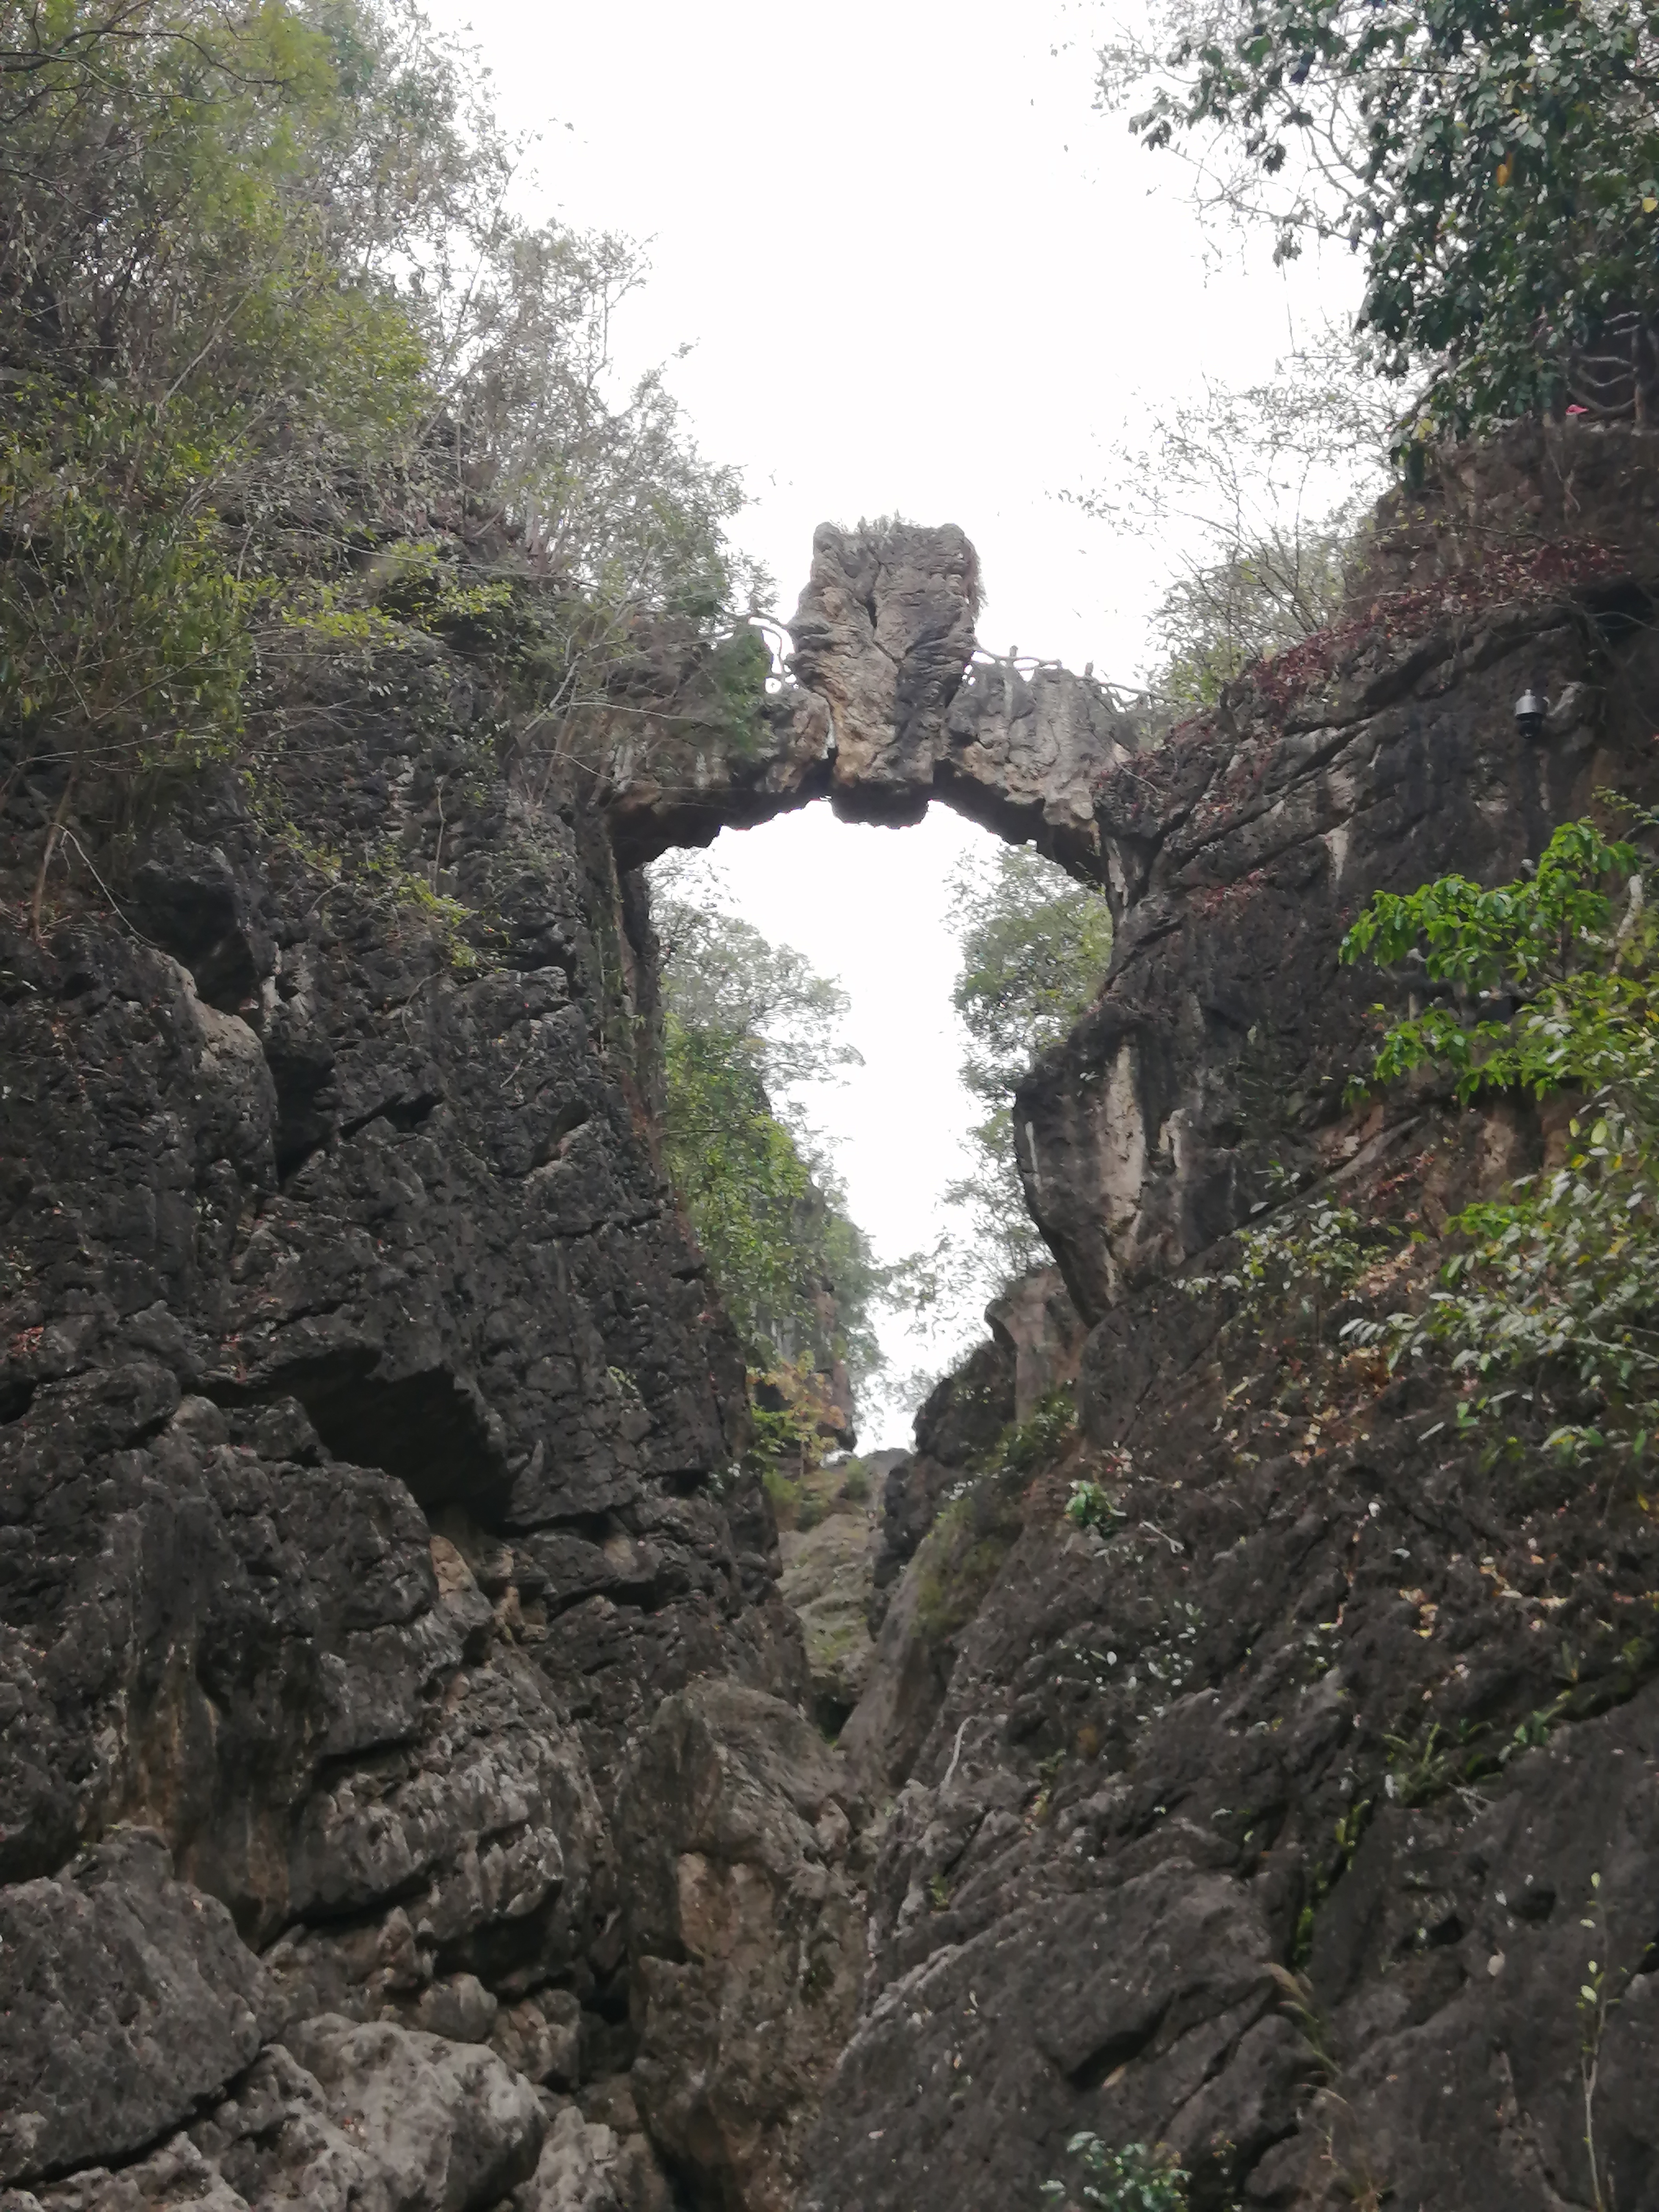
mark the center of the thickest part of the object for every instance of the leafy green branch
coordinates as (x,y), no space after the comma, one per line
(1556,1284)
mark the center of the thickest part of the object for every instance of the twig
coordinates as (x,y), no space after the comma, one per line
(955,1755)
(70,838)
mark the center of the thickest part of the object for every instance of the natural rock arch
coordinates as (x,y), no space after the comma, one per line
(1366,759)
(887,709)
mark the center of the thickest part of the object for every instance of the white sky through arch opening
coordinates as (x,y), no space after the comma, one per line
(918,273)
(868,907)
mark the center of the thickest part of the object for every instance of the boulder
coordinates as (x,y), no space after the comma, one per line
(745,1932)
(127,2000)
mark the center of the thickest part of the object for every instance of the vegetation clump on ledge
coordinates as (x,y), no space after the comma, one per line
(292,399)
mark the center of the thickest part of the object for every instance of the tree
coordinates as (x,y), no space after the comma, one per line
(747,1024)
(1259,497)
(1545,985)
(1034,947)
(1219,617)
(723,975)
(1496,166)
(265,311)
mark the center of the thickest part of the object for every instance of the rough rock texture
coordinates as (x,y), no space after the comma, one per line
(1379,756)
(407,1797)
(576,2172)
(178,2006)
(1035,1319)
(743,1921)
(388,2120)
(362,1398)
(827,1583)
(889,710)
(1222,1740)
(960,1421)
(1280,1815)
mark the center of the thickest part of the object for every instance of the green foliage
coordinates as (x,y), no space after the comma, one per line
(1089,1506)
(1549,940)
(1037,1441)
(1034,947)
(124,639)
(421,586)
(186,208)
(742,1178)
(787,1439)
(963,1552)
(1133,2179)
(1425,1766)
(723,975)
(855,1483)
(1497,167)
(268,313)
(745,1023)
(1557,1286)
(1297,1263)
(980,1525)
(1260,497)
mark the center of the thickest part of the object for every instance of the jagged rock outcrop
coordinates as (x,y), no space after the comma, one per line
(1033,1318)
(1378,756)
(1278,1815)
(887,710)
(407,1797)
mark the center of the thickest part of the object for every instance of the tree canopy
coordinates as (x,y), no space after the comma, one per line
(1034,948)
(1495,167)
(1258,498)
(746,1024)
(267,311)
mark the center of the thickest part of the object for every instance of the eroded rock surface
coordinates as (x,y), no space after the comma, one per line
(1277,1814)
(409,1797)
(887,709)
(126,2001)
(745,1924)
(360,1399)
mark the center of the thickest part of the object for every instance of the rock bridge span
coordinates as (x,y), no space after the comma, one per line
(1374,757)
(886,708)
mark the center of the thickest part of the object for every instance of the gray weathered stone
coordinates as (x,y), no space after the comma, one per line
(126,2001)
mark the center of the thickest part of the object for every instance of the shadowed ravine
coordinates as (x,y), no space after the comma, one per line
(412,1792)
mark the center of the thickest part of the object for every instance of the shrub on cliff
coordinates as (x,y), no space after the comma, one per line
(1133,2179)
(265,314)
(1548,987)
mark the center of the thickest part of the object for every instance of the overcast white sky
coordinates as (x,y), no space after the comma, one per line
(920,274)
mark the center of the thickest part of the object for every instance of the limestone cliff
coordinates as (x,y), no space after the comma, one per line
(405,1794)
(1278,1816)
(368,1518)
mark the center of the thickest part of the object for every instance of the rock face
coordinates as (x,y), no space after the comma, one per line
(744,1925)
(1377,757)
(827,1583)
(363,1403)
(1279,1815)
(1035,1319)
(178,2008)
(408,1793)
